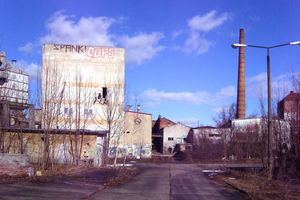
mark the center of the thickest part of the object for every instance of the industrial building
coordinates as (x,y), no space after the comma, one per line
(79,83)
(14,96)
(83,89)
(138,134)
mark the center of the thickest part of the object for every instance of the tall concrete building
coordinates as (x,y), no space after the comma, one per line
(78,84)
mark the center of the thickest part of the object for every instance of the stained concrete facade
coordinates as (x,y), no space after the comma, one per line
(157,132)
(208,132)
(80,85)
(281,128)
(138,135)
(174,134)
(79,82)
(31,143)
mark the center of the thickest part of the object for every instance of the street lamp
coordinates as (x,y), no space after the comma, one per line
(270,133)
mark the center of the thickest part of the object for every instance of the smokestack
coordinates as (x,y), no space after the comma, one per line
(14,63)
(241,95)
(138,108)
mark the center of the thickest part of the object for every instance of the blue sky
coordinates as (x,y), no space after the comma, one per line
(178,53)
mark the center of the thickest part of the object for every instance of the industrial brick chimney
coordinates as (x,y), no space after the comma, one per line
(241,95)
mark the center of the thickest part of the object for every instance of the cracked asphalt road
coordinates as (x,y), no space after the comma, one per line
(156,181)
(168,181)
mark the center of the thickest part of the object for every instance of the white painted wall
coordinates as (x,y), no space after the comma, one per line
(96,67)
(178,132)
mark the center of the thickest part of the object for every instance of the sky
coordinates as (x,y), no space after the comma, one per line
(179,59)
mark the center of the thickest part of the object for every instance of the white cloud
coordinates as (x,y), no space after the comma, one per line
(189,122)
(260,78)
(217,110)
(196,44)
(27,49)
(226,92)
(65,29)
(182,97)
(177,33)
(142,47)
(207,22)
(87,31)
(255,19)
(257,85)
(32,69)
(151,104)
(198,98)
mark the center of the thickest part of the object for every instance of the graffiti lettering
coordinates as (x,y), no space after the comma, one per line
(94,52)
(56,47)
(70,48)
(131,151)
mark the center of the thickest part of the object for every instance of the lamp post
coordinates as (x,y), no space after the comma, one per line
(270,132)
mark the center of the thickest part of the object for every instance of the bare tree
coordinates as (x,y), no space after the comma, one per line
(224,117)
(78,98)
(52,90)
(223,123)
(111,113)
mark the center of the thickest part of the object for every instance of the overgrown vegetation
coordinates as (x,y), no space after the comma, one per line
(255,184)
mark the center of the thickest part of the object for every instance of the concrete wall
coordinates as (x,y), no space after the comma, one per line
(214,134)
(75,80)
(259,125)
(137,138)
(32,145)
(15,165)
(173,135)
(20,160)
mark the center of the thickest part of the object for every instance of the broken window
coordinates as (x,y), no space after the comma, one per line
(104,92)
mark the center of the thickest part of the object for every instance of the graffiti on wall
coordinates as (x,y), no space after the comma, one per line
(93,52)
(131,151)
(70,48)
(62,153)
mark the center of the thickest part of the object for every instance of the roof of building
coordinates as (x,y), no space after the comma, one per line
(205,127)
(101,133)
(291,96)
(178,124)
(161,123)
(164,122)
(153,122)
(134,112)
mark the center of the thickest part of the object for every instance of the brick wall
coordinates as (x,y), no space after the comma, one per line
(13,170)
(14,164)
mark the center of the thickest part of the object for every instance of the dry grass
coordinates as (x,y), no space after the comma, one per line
(111,175)
(123,175)
(257,186)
